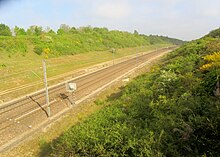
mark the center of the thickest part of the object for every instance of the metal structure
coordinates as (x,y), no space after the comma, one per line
(46,88)
(71,88)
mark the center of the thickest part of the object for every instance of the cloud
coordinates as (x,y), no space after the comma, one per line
(113,9)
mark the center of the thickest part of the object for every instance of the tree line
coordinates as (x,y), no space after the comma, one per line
(70,40)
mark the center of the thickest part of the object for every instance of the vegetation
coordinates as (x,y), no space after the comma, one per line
(215,33)
(5,30)
(59,67)
(70,41)
(171,111)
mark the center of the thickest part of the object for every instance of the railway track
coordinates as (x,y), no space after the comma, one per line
(5,95)
(21,115)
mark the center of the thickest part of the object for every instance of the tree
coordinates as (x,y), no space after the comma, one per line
(5,30)
(38,30)
(86,29)
(63,29)
(19,31)
(136,32)
(35,30)
(51,32)
(30,30)
(73,30)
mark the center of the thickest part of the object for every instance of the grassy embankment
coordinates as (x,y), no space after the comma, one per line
(20,72)
(172,111)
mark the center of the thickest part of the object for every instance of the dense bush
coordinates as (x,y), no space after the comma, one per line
(215,33)
(10,45)
(167,112)
(5,30)
(38,50)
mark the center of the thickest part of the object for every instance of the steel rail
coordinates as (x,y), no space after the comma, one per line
(59,85)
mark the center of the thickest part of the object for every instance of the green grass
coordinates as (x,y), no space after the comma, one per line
(19,70)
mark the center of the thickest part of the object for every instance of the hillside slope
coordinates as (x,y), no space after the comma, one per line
(171,111)
(70,41)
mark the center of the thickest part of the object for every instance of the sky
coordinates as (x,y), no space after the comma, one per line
(183,19)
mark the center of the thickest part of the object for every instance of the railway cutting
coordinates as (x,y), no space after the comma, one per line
(20,118)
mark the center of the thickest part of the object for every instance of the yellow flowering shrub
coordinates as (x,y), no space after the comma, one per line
(213,61)
(46,52)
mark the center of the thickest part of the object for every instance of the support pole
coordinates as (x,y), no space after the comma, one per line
(46,88)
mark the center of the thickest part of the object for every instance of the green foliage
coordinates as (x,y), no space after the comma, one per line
(64,29)
(213,45)
(70,41)
(35,30)
(3,66)
(165,113)
(212,72)
(38,50)
(19,31)
(13,45)
(215,33)
(5,30)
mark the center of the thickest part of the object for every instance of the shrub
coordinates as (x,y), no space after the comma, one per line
(38,50)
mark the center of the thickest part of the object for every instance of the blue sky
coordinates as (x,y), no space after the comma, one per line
(184,19)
